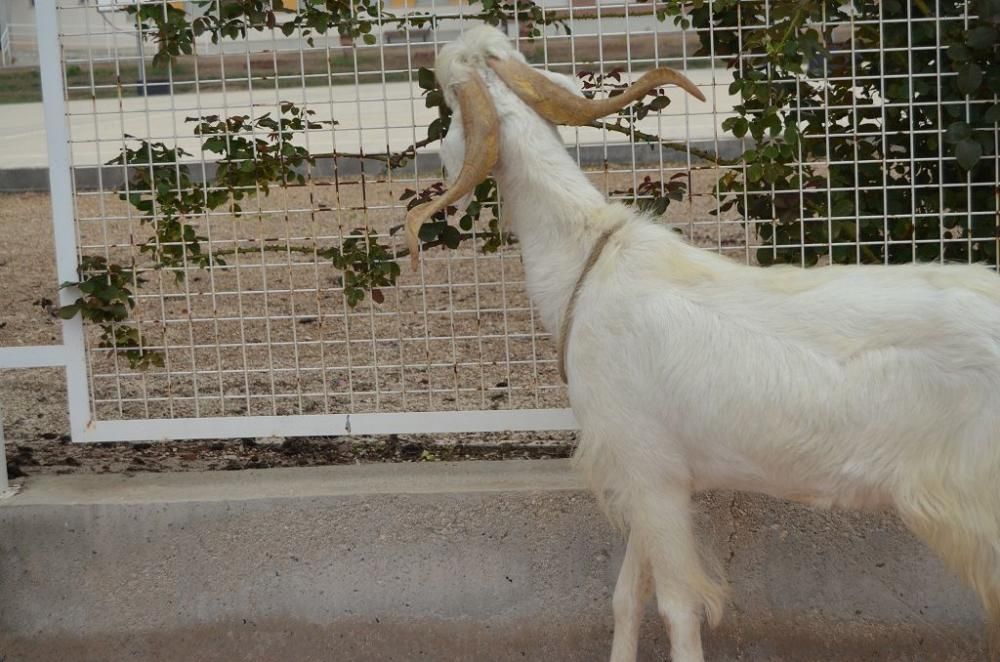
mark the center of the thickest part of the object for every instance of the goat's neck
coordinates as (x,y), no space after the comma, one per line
(557,215)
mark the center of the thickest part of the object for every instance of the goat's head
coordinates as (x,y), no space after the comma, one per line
(484,53)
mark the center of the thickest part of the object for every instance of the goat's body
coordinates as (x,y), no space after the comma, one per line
(831,393)
(857,387)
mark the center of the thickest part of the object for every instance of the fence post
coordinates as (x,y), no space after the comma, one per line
(63,223)
(4,484)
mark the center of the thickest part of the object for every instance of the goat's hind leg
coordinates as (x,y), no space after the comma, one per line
(960,520)
(684,591)
(631,593)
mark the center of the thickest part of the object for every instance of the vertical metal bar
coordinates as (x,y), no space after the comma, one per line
(4,485)
(61,193)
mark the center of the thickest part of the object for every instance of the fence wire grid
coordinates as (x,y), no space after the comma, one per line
(268,330)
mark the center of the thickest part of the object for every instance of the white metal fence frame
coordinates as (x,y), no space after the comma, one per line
(72,354)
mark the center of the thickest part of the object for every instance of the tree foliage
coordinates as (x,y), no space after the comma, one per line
(882,113)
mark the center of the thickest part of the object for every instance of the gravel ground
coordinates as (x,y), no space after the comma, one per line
(459,335)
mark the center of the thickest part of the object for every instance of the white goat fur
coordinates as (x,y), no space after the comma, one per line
(860,387)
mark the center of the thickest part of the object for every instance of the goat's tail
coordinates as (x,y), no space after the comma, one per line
(960,520)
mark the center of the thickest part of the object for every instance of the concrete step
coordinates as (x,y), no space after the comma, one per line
(437,561)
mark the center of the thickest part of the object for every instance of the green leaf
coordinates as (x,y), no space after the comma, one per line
(982,37)
(985,140)
(435,130)
(369,39)
(959,52)
(842,206)
(355,295)
(957,132)
(969,78)
(434,98)
(451,237)
(993,75)
(425,79)
(431,231)
(659,103)
(928,252)
(68,312)
(967,153)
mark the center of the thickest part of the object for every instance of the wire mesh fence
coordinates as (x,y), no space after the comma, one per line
(230,176)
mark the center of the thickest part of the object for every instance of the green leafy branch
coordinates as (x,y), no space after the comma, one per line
(108,299)
(857,100)
(257,153)
(653,197)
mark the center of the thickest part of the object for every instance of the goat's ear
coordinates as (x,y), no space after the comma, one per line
(480,126)
(559,106)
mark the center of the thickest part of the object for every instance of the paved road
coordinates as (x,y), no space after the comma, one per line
(369,116)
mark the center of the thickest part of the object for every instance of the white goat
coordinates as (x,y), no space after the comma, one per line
(858,387)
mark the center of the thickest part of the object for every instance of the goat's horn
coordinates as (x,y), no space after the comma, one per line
(560,106)
(480,124)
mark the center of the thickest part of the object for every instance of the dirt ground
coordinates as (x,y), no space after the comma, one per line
(270,334)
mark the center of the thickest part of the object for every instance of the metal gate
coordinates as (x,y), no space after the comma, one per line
(246,321)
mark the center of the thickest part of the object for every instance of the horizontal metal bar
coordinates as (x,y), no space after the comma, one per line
(33,356)
(176,429)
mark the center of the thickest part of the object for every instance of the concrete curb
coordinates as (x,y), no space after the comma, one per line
(448,561)
(110,178)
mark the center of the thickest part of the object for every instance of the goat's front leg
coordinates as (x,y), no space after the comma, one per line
(631,593)
(684,591)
